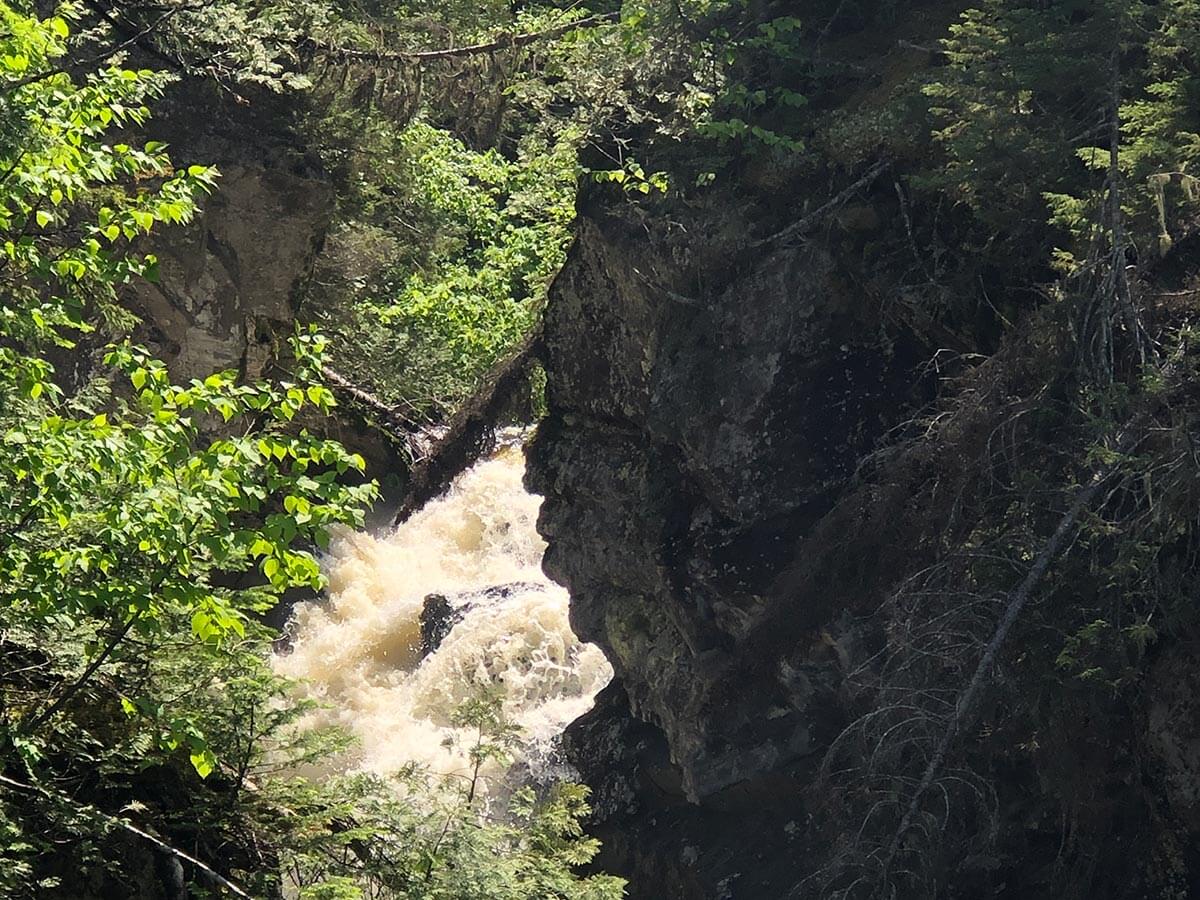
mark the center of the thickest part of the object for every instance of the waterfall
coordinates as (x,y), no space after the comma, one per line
(358,650)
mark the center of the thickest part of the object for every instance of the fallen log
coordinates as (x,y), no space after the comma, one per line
(471,433)
(410,434)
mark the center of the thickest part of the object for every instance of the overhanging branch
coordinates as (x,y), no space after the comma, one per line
(503,42)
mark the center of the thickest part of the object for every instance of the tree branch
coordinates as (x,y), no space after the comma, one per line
(965,706)
(96,663)
(79,682)
(387,417)
(126,826)
(100,57)
(504,42)
(815,217)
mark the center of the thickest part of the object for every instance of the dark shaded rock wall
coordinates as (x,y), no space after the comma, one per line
(691,439)
(709,402)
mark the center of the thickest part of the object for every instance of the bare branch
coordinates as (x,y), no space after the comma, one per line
(966,703)
(384,415)
(814,218)
(126,826)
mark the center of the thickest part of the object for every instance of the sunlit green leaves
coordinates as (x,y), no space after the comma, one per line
(131,507)
(55,157)
(425,330)
(140,514)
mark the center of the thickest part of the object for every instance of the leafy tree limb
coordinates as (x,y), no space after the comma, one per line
(504,42)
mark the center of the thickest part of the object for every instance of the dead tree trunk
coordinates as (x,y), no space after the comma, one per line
(403,430)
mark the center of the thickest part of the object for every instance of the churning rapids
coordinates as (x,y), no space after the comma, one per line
(358,650)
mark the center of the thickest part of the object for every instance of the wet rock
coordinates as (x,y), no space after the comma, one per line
(439,613)
(437,618)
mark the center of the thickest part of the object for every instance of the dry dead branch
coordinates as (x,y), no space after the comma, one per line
(92,812)
(504,42)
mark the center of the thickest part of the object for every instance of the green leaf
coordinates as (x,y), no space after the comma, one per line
(203,761)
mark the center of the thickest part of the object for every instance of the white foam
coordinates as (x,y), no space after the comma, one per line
(358,650)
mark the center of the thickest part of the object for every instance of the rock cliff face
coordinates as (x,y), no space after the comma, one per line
(717,374)
(693,438)
(726,499)
(230,281)
(708,402)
